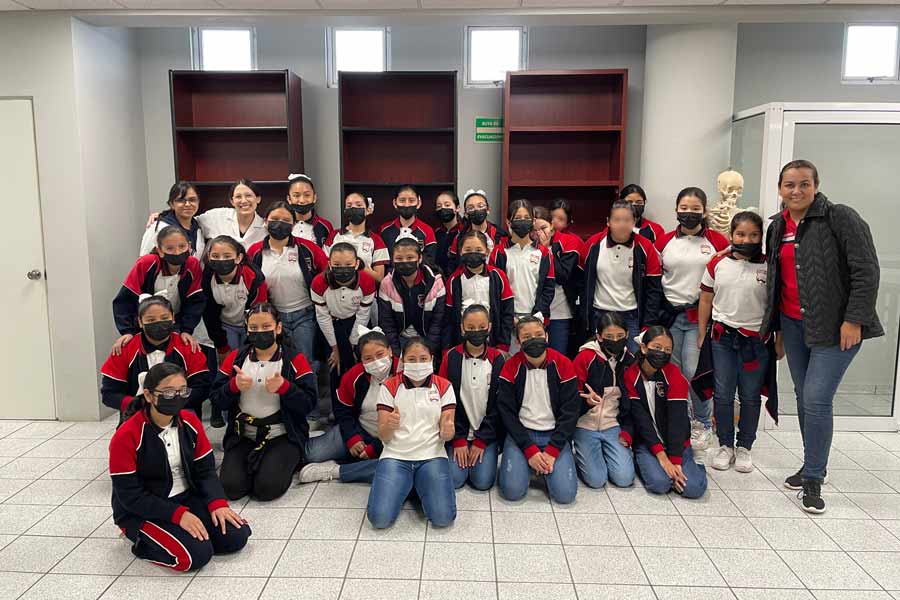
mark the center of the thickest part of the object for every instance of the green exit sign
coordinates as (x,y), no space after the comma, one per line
(488,129)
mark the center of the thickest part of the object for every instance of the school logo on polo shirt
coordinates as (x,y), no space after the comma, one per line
(292,258)
(308,261)
(535,257)
(241,296)
(433,395)
(706,249)
(421,300)
(761,276)
(660,388)
(368,246)
(631,261)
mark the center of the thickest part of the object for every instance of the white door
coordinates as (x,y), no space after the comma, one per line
(25,367)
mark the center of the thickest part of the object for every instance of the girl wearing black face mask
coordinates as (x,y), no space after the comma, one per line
(166,496)
(473,368)
(343,297)
(658,393)
(407,203)
(475,282)
(370,248)
(303,199)
(732,303)
(290,264)
(170,271)
(635,195)
(604,433)
(267,390)
(539,407)
(685,252)
(157,343)
(476,209)
(447,213)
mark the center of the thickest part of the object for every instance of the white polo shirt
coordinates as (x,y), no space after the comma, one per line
(475,289)
(614,289)
(169,437)
(223,221)
(257,401)
(559,308)
(418,437)
(740,291)
(304,230)
(650,389)
(523,266)
(536,412)
(284,278)
(342,303)
(474,387)
(684,257)
(167,287)
(232,297)
(368,410)
(369,248)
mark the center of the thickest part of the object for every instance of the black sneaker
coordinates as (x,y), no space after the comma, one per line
(795,481)
(811,497)
(215,420)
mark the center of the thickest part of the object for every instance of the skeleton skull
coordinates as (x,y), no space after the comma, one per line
(731,187)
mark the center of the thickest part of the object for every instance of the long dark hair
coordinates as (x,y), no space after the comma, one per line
(179,190)
(154,377)
(268,308)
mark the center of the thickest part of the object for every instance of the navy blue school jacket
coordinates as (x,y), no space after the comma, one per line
(670,431)
(502,308)
(347,406)
(491,429)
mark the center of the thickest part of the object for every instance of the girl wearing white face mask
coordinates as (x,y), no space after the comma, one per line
(416,409)
(354,440)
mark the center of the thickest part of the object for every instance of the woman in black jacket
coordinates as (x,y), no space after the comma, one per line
(821,299)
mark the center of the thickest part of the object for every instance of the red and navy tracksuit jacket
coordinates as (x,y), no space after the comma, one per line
(564,401)
(421,306)
(502,308)
(646,276)
(492,232)
(299,392)
(567,249)
(322,228)
(312,259)
(423,232)
(257,293)
(142,280)
(491,428)
(650,229)
(670,431)
(592,368)
(120,372)
(546,276)
(347,406)
(445,239)
(142,479)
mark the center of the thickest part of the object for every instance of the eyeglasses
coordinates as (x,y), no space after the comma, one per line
(186,201)
(170,394)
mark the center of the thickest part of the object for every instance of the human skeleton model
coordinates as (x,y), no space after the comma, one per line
(731,187)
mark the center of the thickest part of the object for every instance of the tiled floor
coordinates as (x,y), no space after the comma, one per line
(747,539)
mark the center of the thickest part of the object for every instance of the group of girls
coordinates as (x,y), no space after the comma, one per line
(466,355)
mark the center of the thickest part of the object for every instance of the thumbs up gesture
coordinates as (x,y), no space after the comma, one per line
(393,421)
(243,381)
(274,383)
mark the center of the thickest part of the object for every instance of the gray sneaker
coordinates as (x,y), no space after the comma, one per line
(323,471)
(723,458)
(742,461)
(701,437)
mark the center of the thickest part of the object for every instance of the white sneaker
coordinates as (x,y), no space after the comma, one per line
(723,458)
(323,471)
(701,436)
(742,461)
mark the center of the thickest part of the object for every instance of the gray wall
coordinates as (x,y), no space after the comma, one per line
(797,62)
(437,47)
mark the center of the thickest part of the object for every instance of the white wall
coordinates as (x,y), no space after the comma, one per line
(113,162)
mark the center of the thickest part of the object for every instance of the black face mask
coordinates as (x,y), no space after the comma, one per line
(613,347)
(522,227)
(638,210)
(476,338)
(261,339)
(657,358)
(343,274)
(221,267)
(176,260)
(445,215)
(534,347)
(160,330)
(171,406)
(356,216)
(407,268)
(407,212)
(477,217)
(473,260)
(750,250)
(689,220)
(303,209)
(279,229)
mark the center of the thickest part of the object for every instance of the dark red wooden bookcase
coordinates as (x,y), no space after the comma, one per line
(564,136)
(228,125)
(397,127)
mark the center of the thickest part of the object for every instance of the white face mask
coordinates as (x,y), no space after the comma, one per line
(418,371)
(379,368)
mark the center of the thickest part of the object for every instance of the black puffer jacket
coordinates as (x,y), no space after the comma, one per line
(837,273)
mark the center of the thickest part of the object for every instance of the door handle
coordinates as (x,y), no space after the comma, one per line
(34,274)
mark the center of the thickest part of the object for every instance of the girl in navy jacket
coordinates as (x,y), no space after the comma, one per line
(302,198)
(566,249)
(267,391)
(166,497)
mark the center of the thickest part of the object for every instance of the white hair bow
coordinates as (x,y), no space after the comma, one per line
(470,302)
(363,330)
(302,176)
(471,192)
(159,294)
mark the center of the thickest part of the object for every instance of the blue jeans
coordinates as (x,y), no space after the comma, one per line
(632,325)
(394,479)
(300,327)
(685,356)
(730,376)
(562,483)
(330,446)
(558,332)
(600,456)
(482,476)
(658,482)
(816,373)
(235,335)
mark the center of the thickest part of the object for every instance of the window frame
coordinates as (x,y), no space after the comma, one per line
(197,47)
(331,72)
(467,53)
(895,80)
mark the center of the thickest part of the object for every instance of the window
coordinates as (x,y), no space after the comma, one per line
(357,49)
(870,53)
(224,49)
(491,52)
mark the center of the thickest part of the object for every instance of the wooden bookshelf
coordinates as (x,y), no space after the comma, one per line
(397,127)
(564,136)
(231,125)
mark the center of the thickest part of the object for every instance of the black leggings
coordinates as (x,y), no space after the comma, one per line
(279,460)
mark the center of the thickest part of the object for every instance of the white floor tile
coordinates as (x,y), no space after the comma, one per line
(714,503)
(368,560)
(732,480)
(41,429)
(753,568)
(726,532)
(454,590)
(257,559)
(852,441)
(638,501)
(28,468)
(529,591)
(589,591)
(838,506)
(18,519)
(658,530)
(545,564)
(35,554)
(14,447)
(888,441)
(860,535)
(313,589)
(764,504)
(660,569)
(339,495)
(224,588)
(272,523)
(851,595)
(94,493)
(79,468)
(844,480)
(608,565)
(536,500)
(588,500)
(531,528)
(146,588)
(71,587)
(13,585)
(96,556)
(379,589)
(72,521)
(881,566)
(409,527)
(694,593)
(314,558)
(891,478)
(297,496)
(87,431)
(874,459)
(828,570)
(771,594)
(591,530)
(46,491)
(471,526)
(798,533)
(329,524)
(57,448)
(471,499)
(878,506)
(455,562)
